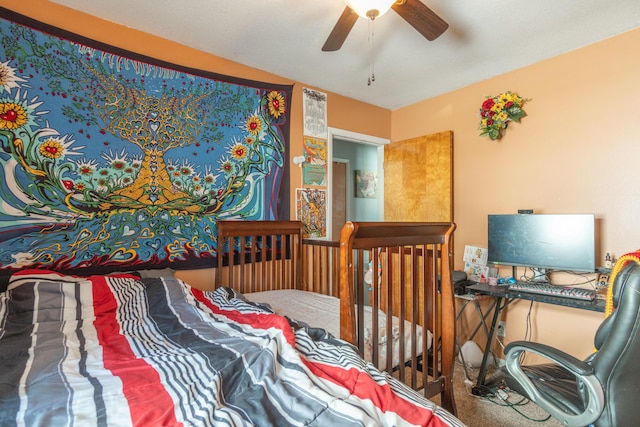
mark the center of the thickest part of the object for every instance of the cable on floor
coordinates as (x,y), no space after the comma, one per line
(501,398)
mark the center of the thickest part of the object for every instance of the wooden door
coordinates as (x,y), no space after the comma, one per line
(418,174)
(418,186)
(339,199)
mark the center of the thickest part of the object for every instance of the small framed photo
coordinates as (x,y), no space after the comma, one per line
(366,184)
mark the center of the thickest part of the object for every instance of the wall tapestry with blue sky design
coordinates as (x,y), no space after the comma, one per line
(111,159)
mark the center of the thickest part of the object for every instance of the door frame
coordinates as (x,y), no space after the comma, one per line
(358,138)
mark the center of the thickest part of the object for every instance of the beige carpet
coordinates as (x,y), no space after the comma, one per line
(476,411)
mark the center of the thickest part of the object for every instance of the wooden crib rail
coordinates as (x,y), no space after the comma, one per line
(321,266)
(411,281)
(309,264)
(260,266)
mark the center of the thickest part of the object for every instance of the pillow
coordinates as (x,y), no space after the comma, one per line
(155,273)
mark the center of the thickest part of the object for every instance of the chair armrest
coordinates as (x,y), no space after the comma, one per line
(594,396)
(567,361)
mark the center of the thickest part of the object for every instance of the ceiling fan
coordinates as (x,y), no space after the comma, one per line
(416,13)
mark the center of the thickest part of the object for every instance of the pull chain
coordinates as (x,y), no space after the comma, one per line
(372,75)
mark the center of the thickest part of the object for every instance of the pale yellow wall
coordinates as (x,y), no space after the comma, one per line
(577,151)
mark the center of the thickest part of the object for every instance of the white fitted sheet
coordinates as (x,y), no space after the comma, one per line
(323,311)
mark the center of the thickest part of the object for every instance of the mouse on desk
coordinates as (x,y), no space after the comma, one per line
(460,287)
(511,280)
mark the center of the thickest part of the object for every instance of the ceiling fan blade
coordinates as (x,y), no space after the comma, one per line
(340,32)
(420,17)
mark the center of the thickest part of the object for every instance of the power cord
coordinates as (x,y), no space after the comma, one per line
(499,396)
(528,330)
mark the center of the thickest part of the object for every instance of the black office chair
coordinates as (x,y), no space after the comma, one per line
(602,390)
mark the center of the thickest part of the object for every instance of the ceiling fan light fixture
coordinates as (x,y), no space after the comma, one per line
(370,8)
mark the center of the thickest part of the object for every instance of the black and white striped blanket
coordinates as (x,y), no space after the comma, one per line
(119,351)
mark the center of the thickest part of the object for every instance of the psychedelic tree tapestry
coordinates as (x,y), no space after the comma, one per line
(112,159)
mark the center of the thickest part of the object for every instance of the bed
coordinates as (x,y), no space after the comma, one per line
(120,349)
(394,276)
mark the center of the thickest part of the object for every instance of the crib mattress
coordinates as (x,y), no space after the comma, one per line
(323,311)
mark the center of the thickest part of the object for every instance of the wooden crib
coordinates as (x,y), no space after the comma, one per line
(395,276)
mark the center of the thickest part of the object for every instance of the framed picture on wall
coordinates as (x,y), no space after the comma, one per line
(366,184)
(311,210)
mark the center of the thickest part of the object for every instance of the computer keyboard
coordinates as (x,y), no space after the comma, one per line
(553,290)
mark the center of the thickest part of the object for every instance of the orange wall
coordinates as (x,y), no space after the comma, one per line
(343,113)
(577,151)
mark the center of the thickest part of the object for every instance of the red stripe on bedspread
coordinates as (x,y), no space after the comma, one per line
(256,320)
(364,387)
(356,382)
(149,403)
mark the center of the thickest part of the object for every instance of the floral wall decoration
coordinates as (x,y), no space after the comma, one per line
(111,159)
(497,111)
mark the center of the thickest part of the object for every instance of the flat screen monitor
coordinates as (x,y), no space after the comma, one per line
(557,242)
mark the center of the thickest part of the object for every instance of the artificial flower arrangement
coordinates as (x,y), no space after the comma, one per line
(497,111)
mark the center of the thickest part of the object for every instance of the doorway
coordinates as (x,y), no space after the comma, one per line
(365,152)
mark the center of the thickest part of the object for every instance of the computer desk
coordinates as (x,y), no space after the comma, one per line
(503,297)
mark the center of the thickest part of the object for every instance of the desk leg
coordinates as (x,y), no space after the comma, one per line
(458,347)
(487,350)
(483,318)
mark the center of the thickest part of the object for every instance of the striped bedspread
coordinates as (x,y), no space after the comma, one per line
(119,351)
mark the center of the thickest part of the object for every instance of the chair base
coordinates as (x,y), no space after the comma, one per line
(553,381)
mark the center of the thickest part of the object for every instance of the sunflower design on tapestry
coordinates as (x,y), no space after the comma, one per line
(111,159)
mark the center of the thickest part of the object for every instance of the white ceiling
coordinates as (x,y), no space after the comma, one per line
(285,37)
